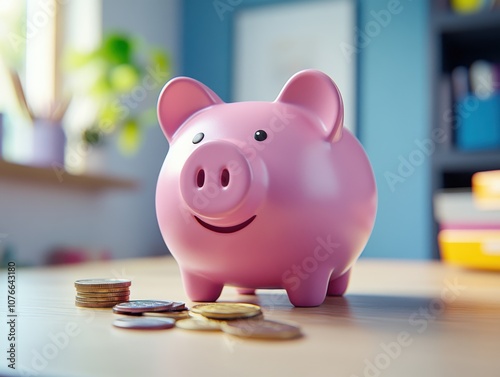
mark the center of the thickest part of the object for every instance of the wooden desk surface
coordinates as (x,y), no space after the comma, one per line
(446,320)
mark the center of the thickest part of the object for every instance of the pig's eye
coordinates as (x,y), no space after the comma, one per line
(198,137)
(260,135)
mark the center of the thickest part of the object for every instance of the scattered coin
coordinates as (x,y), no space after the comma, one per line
(125,313)
(198,324)
(227,310)
(142,306)
(178,306)
(143,323)
(102,283)
(177,315)
(263,329)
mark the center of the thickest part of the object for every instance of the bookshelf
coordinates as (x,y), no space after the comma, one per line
(457,40)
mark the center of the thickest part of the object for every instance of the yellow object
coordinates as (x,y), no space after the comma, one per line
(466,6)
(486,189)
(471,248)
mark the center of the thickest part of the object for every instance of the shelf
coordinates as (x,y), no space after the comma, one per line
(47,175)
(457,23)
(454,160)
(467,38)
(458,40)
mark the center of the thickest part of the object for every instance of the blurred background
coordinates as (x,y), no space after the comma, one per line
(81,148)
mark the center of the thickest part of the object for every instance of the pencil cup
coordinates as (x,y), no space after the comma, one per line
(49,142)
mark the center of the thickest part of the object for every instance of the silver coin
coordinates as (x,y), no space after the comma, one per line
(103,283)
(142,306)
(178,306)
(144,323)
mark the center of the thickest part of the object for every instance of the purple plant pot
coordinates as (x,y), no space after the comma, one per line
(49,142)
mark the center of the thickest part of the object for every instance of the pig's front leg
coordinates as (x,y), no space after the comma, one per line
(199,288)
(338,286)
(307,290)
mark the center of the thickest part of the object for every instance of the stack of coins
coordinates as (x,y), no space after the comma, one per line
(101,293)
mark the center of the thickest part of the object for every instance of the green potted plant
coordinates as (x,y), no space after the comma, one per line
(117,78)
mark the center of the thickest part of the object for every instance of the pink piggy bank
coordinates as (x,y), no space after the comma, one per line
(263,194)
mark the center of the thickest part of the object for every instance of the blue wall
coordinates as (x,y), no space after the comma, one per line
(393,108)
(393,113)
(206,46)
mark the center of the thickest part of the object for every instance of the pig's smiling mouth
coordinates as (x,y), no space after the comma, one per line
(225,229)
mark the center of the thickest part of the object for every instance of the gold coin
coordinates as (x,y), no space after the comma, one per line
(177,315)
(106,293)
(102,283)
(198,324)
(95,304)
(262,329)
(227,310)
(102,299)
(101,290)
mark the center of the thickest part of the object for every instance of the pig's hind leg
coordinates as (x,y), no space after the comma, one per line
(199,288)
(308,291)
(338,286)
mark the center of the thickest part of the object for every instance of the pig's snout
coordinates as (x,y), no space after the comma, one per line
(216,179)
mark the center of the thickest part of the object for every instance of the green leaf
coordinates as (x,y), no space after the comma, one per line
(92,136)
(129,137)
(117,49)
(100,87)
(124,78)
(160,58)
(109,116)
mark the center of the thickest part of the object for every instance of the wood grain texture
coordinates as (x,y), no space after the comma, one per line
(447,319)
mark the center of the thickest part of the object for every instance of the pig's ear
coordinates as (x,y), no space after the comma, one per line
(315,91)
(179,99)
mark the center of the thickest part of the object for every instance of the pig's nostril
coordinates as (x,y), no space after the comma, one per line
(200,178)
(224,178)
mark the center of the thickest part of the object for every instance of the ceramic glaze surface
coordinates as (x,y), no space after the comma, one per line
(263,194)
